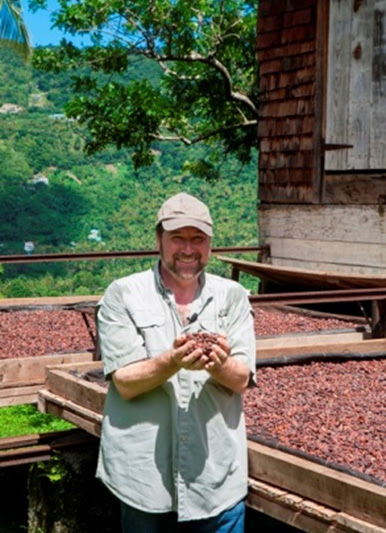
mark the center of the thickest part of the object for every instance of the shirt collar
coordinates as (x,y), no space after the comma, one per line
(202,291)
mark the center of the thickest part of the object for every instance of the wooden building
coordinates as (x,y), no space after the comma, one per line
(322,134)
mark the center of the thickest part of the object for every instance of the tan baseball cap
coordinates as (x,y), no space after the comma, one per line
(184,210)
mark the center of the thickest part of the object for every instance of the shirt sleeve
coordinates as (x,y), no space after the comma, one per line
(119,341)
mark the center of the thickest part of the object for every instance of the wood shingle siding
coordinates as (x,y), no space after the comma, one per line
(287,39)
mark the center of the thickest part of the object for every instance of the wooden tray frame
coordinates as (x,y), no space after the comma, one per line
(22,378)
(295,490)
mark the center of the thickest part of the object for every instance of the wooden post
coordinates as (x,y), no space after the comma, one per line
(378,323)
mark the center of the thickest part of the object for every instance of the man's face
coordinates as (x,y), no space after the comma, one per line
(184,252)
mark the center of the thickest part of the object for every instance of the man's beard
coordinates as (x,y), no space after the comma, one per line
(182,270)
(185,270)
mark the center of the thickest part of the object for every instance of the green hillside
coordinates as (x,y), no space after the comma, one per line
(51,193)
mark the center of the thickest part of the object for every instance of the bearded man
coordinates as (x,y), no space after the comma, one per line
(173,445)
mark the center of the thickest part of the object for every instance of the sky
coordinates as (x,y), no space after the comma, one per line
(39,25)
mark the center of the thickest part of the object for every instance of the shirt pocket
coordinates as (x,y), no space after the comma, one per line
(151,327)
(214,322)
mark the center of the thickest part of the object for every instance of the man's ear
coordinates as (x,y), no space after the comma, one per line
(158,241)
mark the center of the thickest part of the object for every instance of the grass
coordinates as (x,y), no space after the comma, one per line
(19,420)
(15,421)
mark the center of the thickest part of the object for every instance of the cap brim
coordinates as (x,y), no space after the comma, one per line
(173,224)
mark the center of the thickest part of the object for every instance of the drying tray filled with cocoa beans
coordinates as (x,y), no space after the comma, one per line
(315,421)
(316,424)
(327,402)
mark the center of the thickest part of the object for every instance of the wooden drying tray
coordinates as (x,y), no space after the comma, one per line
(312,497)
(22,378)
(302,276)
(318,345)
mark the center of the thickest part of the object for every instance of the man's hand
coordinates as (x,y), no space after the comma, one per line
(219,354)
(185,355)
(228,371)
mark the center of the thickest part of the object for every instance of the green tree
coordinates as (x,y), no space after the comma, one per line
(13,165)
(206,54)
(13,31)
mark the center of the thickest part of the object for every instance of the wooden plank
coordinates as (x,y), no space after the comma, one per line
(89,395)
(338,238)
(319,483)
(20,396)
(356,111)
(306,515)
(321,54)
(79,366)
(360,91)
(345,522)
(279,341)
(21,379)
(86,419)
(31,370)
(377,272)
(47,301)
(17,390)
(355,189)
(329,252)
(333,279)
(378,138)
(14,385)
(353,223)
(271,127)
(365,347)
(338,80)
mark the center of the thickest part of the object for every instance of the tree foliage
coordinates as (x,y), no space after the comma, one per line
(53,194)
(206,55)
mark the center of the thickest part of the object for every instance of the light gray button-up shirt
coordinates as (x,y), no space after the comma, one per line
(182,446)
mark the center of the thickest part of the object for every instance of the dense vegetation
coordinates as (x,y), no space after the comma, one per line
(51,193)
(26,420)
(207,90)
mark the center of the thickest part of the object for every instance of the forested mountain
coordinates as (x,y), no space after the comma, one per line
(54,195)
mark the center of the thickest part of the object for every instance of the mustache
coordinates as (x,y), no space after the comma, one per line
(187,256)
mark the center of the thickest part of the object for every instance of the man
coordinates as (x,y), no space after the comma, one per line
(173,445)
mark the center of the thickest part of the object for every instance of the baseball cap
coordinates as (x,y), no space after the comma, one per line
(184,210)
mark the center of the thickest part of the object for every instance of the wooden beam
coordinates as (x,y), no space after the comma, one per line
(19,395)
(327,486)
(23,377)
(63,384)
(74,413)
(310,339)
(32,370)
(51,302)
(306,515)
(364,347)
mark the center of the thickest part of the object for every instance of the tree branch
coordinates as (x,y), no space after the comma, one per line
(204,136)
(235,96)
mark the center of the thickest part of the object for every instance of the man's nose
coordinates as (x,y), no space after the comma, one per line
(187,247)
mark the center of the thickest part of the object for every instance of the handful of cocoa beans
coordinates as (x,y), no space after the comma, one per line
(203,340)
